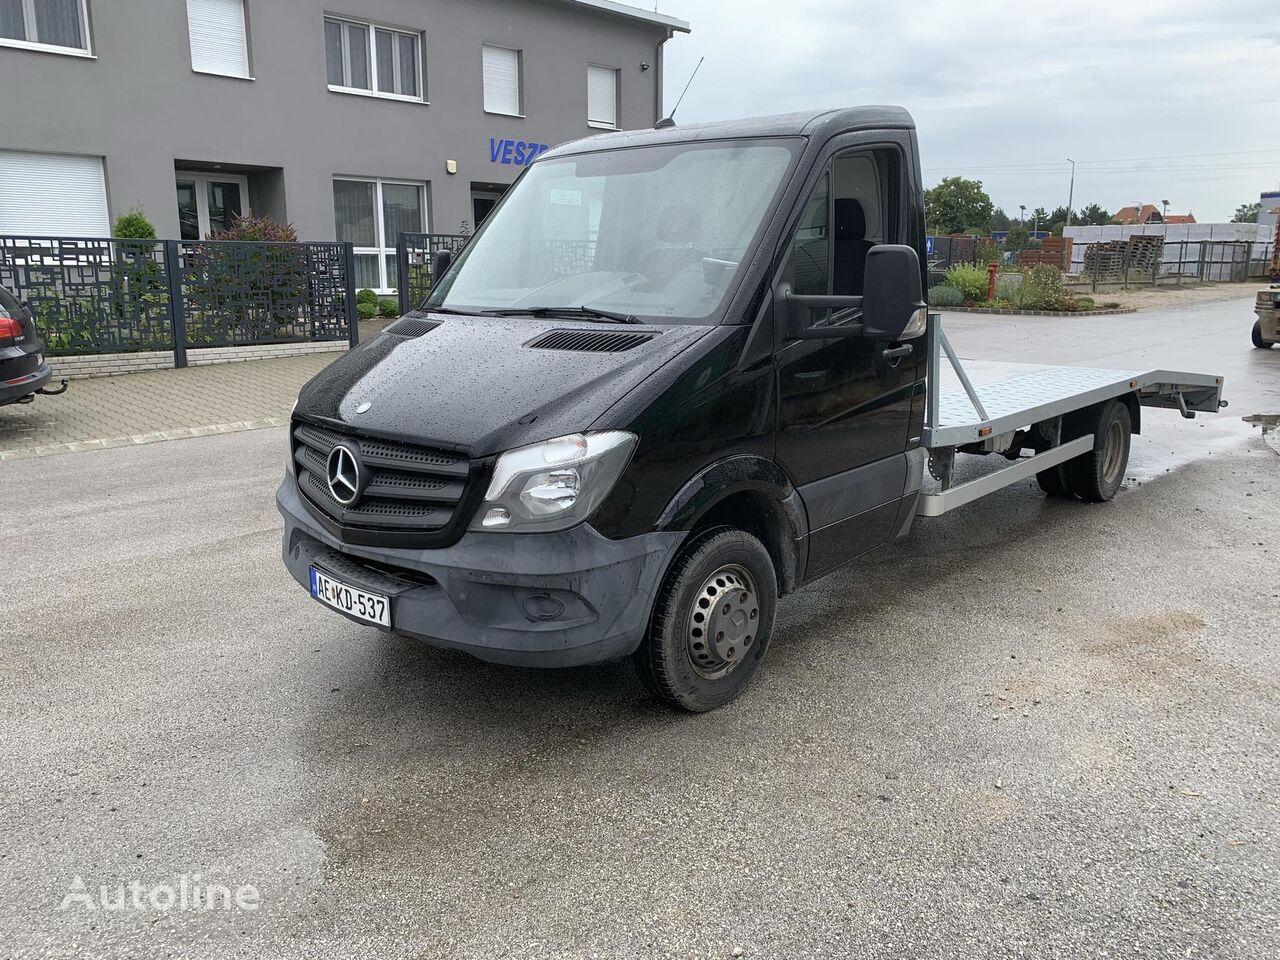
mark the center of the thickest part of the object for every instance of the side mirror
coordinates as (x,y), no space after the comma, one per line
(892,299)
(442,261)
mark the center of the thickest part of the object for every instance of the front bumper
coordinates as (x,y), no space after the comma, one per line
(1269,318)
(15,386)
(538,600)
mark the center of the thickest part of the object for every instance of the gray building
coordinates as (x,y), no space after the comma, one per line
(351,119)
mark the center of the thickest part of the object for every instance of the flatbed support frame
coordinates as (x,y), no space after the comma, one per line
(1035,397)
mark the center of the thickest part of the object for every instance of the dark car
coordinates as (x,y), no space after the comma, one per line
(23,371)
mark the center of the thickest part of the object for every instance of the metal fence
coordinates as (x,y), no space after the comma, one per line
(1148,260)
(415,263)
(112,295)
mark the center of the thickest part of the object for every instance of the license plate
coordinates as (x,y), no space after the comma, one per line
(369,607)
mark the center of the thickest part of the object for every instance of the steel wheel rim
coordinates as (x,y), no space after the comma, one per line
(1113,452)
(723,623)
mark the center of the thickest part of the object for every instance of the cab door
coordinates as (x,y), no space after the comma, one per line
(844,404)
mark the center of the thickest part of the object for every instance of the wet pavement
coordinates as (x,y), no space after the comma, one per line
(1034,729)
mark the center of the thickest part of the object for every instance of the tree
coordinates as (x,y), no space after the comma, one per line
(956,205)
(999,220)
(1039,218)
(1093,215)
(1247,212)
(1019,236)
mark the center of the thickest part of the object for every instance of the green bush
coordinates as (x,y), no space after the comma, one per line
(945,296)
(970,280)
(261,229)
(986,251)
(1084,303)
(1041,289)
(1007,287)
(133,225)
(388,308)
(366,310)
(366,296)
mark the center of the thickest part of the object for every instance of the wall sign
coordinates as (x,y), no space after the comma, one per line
(518,152)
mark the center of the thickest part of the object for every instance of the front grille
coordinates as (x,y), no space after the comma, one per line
(409,489)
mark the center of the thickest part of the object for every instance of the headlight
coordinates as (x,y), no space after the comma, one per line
(555,484)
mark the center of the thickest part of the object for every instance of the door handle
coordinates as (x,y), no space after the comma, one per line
(892,353)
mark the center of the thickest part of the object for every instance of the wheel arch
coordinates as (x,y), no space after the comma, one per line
(755,495)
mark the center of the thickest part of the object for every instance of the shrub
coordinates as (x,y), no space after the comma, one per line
(969,279)
(1111,304)
(366,310)
(388,308)
(262,229)
(366,296)
(133,225)
(986,251)
(1041,289)
(1007,286)
(945,296)
(1084,303)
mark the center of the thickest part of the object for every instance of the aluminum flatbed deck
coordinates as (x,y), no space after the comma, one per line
(976,402)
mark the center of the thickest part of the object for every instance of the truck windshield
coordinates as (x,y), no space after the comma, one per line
(658,233)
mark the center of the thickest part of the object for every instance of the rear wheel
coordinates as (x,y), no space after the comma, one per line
(1257,337)
(1096,476)
(711,623)
(1054,481)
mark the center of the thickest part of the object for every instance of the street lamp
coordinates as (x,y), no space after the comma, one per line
(1164,211)
(1071,191)
(1022,215)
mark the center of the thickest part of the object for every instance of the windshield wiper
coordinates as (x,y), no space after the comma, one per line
(589,313)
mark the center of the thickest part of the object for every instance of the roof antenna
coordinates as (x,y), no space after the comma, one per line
(668,121)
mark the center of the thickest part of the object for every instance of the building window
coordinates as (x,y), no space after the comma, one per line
(602,97)
(502,80)
(219,37)
(372,59)
(371,214)
(52,195)
(209,203)
(58,25)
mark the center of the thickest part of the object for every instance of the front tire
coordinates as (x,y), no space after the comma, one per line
(1257,337)
(712,621)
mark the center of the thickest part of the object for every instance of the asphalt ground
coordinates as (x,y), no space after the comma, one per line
(1034,729)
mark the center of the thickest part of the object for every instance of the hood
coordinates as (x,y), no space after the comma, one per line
(476,385)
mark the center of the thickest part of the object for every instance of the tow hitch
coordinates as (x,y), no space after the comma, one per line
(61,388)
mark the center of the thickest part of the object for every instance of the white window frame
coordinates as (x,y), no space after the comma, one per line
(617,98)
(29,20)
(520,107)
(379,226)
(371,27)
(202,178)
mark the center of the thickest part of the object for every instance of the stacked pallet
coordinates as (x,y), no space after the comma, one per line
(1105,261)
(1145,255)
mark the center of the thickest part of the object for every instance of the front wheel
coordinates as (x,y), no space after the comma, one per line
(711,622)
(1257,337)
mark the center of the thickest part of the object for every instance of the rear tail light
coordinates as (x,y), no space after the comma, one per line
(9,327)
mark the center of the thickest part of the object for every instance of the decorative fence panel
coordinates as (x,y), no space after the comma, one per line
(92,295)
(233,293)
(415,263)
(110,295)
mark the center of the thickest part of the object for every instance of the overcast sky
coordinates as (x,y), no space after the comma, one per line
(1004,92)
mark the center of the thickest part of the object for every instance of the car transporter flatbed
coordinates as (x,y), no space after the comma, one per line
(995,407)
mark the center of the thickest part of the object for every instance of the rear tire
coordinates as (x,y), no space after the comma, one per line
(1257,337)
(1096,476)
(712,621)
(1054,482)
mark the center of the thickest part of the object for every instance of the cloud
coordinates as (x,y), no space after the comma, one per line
(1005,92)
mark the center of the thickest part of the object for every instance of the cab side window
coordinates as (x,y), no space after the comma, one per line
(850,211)
(810,266)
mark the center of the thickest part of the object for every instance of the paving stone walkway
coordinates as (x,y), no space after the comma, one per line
(157,405)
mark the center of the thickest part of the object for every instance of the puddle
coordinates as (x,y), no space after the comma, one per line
(1168,442)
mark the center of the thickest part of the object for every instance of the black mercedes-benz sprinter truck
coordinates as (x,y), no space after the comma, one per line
(675,375)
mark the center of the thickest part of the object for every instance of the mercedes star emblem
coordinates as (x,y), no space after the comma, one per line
(344,474)
(364,407)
